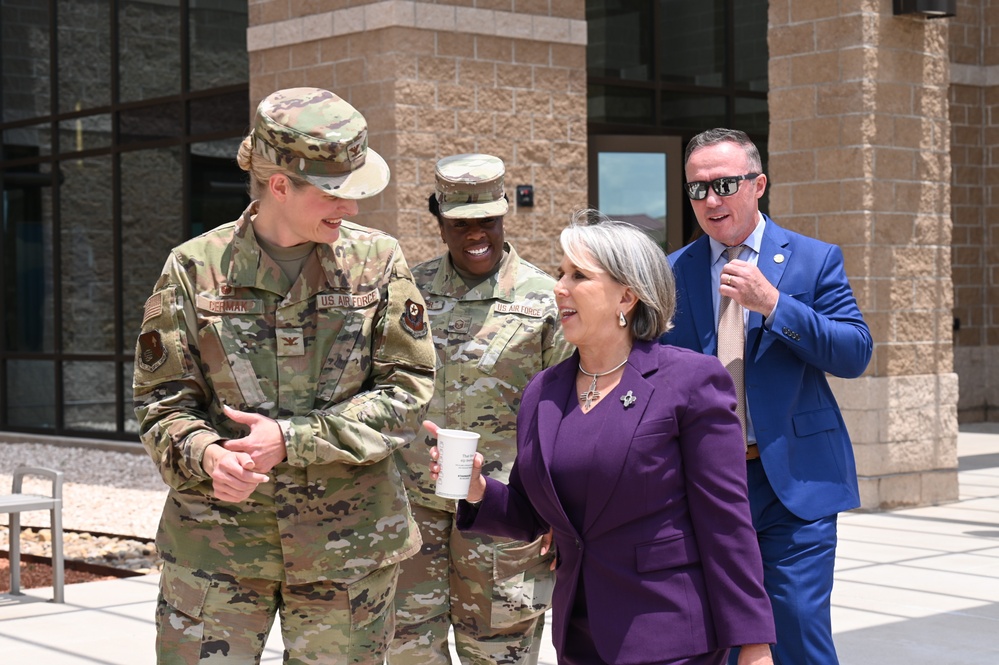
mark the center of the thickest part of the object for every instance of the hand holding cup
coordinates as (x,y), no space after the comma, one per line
(455,464)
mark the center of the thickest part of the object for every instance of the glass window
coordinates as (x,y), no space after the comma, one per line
(24,48)
(218,191)
(752,116)
(218,43)
(693,112)
(610,104)
(30,141)
(149,51)
(151,123)
(751,56)
(84,40)
(87,261)
(27,260)
(636,179)
(210,115)
(86,133)
(89,396)
(31,394)
(619,39)
(692,42)
(633,189)
(152,212)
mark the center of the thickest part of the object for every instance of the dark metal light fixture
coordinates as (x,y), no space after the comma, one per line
(928,8)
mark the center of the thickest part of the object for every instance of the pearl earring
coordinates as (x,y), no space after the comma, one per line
(621,321)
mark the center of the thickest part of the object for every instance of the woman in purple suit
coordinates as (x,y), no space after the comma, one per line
(631,452)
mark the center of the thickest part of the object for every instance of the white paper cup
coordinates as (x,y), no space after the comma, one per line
(456,452)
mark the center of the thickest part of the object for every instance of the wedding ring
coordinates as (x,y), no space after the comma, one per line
(728,280)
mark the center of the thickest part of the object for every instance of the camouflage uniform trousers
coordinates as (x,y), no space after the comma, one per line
(217,618)
(493,591)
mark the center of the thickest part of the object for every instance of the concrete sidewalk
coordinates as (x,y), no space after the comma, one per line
(913,587)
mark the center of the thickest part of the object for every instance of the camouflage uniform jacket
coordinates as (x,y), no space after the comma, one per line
(490,341)
(341,358)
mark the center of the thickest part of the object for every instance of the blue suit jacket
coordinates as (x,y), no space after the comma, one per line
(668,554)
(817,328)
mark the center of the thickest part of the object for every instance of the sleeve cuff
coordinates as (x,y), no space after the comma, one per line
(197,444)
(298,440)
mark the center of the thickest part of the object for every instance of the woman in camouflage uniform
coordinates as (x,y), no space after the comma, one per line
(283,358)
(495,324)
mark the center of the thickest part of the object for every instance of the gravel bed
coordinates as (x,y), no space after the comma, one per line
(104,492)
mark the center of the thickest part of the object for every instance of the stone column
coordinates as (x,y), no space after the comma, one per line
(860,156)
(438,79)
(974,113)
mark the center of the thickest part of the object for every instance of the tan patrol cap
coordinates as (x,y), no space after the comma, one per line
(320,137)
(471,186)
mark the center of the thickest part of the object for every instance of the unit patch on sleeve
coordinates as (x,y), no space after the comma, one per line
(413,320)
(152,354)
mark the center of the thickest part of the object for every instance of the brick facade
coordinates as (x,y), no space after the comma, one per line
(871,147)
(860,156)
(435,79)
(974,115)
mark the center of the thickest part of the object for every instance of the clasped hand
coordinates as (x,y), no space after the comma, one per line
(239,465)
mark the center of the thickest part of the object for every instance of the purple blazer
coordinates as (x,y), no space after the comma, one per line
(668,555)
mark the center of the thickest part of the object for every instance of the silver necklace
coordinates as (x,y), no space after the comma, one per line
(593,393)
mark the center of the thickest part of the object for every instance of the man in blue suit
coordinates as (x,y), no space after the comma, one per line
(800,321)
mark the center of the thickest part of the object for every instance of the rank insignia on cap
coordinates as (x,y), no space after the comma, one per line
(413,320)
(152,354)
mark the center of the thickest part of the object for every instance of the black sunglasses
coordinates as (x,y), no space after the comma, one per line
(726,186)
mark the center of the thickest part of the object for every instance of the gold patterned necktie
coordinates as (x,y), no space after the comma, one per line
(732,345)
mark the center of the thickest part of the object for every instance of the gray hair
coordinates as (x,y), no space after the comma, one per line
(723,135)
(593,241)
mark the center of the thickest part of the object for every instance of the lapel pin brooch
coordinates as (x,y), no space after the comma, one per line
(628,399)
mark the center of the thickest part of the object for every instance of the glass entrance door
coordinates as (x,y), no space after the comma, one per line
(639,179)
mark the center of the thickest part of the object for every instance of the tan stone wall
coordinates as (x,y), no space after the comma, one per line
(435,79)
(974,113)
(860,156)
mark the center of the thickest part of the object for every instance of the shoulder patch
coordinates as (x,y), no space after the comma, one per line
(152,353)
(413,320)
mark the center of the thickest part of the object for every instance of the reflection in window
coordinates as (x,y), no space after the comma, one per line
(84,39)
(86,264)
(31,393)
(218,44)
(27,260)
(751,57)
(219,113)
(152,211)
(620,105)
(149,36)
(89,396)
(632,188)
(218,191)
(85,133)
(24,49)
(693,112)
(752,116)
(692,42)
(150,123)
(619,39)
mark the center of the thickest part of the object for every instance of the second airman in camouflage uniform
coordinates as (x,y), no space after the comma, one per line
(283,359)
(494,324)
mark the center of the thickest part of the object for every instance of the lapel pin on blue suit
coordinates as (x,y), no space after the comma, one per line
(778,258)
(628,399)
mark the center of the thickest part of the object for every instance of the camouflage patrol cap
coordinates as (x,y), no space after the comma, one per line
(471,186)
(320,137)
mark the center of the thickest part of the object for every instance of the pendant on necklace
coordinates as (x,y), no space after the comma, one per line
(590,395)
